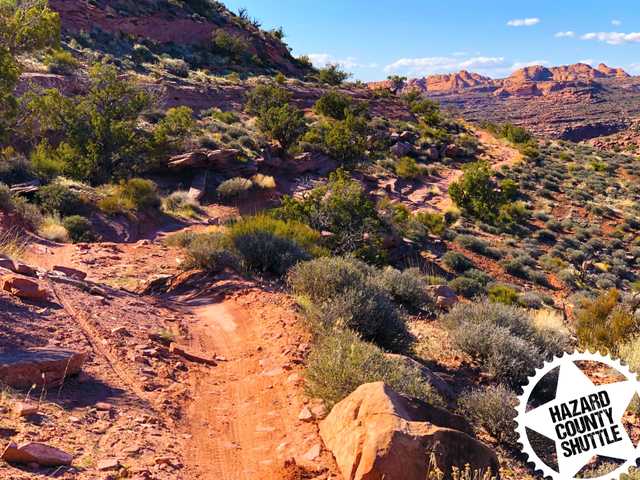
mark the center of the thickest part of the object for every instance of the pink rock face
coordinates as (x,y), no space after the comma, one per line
(376,433)
(70,272)
(33,452)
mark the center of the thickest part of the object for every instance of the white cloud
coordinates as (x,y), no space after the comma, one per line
(523,22)
(431,65)
(616,23)
(612,38)
(518,65)
(633,68)
(324,59)
(588,61)
(567,34)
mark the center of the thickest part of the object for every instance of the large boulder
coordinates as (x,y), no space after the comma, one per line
(376,433)
(39,366)
(22,287)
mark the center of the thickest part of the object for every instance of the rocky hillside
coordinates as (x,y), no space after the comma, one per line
(573,102)
(203,33)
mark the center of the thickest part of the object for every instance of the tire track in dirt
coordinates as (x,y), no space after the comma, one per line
(243,416)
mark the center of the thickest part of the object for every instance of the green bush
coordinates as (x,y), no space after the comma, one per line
(333,104)
(435,223)
(457,262)
(303,235)
(61,62)
(493,409)
(174,129)
(29,213)
(143,194)
(14,167)
(234,187)
(176,66)
(209,251)
(332,74)
(407,168)
(264,97)
(342,208)
(502,294)
(341,362)
(79,228)
(234,46)
(286,124)
(605,322)
(267,252)
(59,198)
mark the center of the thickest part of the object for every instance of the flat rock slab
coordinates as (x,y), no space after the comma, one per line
(39,366)
(33,452)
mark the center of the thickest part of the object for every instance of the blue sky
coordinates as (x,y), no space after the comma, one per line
(376,38)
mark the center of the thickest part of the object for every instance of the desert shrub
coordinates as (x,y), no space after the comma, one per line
(264,97)
(407,168)
(234,46)
(341,208)
(6,199)
(209,251)
(503,338)
(142,193)
(46,162)
(266,182)
(142,54)
(435,223)
(286,124)
(457,262)
(345,293)
(493,409)
(61,62)
(234,187)
(267,252)
(502,294)
(100,131)
(333,104)
(466,286)
(174,129)
(341,362)
(545,236)
(59,198)
(224,117)
(182,238)
(343,140)
(14,167)
(605,322)
(53,229)
(476,193)
(79,228)
(182,204)
(332,74)
(13,242)
(28,213)
(515,267)
(407,287)
(530,300)
(307,238)
(176,66)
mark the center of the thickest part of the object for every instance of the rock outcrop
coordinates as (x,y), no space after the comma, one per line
(375,433)
(39,366)
(38,453)
(22,287)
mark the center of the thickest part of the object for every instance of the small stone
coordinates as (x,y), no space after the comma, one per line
(120,331)
(109,464)
(104,406)
(25,409)
(305,415)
